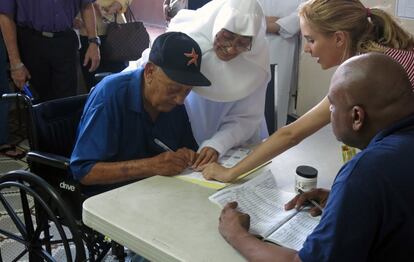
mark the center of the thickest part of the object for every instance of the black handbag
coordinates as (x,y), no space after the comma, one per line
(125,42)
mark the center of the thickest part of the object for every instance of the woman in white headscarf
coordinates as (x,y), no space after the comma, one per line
(230,112)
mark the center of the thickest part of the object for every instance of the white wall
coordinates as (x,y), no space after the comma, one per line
(314,82)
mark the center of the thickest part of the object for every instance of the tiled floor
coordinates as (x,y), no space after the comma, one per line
(17,137)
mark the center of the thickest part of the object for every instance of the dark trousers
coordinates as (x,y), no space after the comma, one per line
(51,61)
(104,66)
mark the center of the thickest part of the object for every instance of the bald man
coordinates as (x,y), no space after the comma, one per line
(369,214)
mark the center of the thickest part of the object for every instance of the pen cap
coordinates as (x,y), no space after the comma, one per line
(306,178)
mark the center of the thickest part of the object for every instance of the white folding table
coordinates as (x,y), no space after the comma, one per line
(168,219)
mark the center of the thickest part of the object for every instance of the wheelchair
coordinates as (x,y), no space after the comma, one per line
(51,128)
(28,237)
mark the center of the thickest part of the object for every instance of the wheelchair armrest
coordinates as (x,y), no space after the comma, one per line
(48,159)
(14,96)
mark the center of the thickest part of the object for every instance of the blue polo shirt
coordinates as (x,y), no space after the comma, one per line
(115,127)
(370,214)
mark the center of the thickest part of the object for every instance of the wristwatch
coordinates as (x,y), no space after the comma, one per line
(96,40)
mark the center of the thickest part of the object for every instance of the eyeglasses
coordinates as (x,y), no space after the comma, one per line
(228,39)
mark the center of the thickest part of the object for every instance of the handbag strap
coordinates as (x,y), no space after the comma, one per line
(129,16)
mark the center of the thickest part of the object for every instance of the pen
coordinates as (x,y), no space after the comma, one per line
(316,204)
(162,145)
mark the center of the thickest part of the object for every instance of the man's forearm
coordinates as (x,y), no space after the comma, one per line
(114,172)
(8,29)
(88,16)
(254,249)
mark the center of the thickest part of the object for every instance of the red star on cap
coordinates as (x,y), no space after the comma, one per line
(194,57)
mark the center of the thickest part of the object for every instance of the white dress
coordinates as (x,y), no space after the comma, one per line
(230,112)
(224,125)
(284,52)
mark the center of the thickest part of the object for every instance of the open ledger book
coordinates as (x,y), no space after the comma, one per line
(260,198)
(231,158)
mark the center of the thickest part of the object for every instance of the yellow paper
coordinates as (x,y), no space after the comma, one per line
(197,178)
(204,182)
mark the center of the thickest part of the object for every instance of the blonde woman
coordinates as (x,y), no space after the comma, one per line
(334,31)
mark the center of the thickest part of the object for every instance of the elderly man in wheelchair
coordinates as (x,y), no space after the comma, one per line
(132,125)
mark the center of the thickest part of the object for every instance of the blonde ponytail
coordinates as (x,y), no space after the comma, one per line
(368,29)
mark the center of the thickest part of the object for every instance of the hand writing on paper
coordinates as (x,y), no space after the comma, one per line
(189,155)
(233,223)
(207,155)
(319,195)
(217,172)
(173,163)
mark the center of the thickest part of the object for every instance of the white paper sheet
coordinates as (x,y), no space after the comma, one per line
(294,233)
(261,199)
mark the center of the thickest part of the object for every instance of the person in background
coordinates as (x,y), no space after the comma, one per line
(195,4)
(6,149)
(334,31)
(105,12)
(282,28)
(368,214)
(230,113)
(129,115)
(42,45)
(171,7)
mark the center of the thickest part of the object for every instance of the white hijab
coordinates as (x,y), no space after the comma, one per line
(235,79)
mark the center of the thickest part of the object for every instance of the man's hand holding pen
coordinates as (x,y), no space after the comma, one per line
(199,160)
(172,163)
(319,195)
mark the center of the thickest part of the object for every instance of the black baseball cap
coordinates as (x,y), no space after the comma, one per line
(179,56)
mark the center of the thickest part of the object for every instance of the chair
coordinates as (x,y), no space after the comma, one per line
(35,244)
(52,127)
(51,130)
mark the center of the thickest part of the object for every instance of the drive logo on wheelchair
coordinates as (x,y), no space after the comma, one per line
(65,186)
